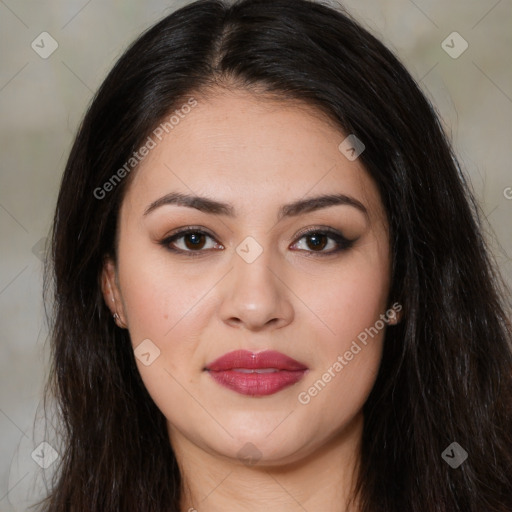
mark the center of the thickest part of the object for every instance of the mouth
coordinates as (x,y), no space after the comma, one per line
(256,374)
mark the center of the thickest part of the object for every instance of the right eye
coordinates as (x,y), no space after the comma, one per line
(191,240)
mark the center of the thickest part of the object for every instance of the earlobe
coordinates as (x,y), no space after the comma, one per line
(395,320)
(395,314)
(111,292)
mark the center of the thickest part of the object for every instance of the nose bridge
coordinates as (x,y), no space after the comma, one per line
(254,294)
(253,266)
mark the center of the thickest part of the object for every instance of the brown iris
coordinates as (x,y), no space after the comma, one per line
(196,240)
(319,241)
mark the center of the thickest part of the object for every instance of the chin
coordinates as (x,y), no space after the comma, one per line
(258,443)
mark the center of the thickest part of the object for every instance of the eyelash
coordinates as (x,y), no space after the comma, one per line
(343,243)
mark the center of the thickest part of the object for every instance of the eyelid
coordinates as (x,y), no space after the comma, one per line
(189,229)
(318,229)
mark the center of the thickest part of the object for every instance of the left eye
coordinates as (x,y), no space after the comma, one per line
(324,242)
(317,241)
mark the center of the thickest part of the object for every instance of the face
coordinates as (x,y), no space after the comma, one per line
(258,263)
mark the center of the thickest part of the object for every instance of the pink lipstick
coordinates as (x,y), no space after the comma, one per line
(256,374)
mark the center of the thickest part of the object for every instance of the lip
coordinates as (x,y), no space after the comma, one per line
(256,374)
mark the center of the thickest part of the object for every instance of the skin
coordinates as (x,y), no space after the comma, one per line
(255,154)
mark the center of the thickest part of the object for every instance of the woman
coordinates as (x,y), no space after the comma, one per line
(270,284)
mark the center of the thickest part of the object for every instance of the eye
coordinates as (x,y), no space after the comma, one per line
(194,241)
(190,240)
(318,239)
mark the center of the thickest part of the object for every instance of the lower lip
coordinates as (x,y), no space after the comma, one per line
(257,384)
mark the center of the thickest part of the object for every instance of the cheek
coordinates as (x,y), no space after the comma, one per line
(348,299)
(348,344)
(170,309)
(157,296)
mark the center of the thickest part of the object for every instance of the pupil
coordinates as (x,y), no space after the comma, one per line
(317,240)
(194,240)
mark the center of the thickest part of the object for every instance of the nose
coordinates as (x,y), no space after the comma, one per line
(255,295)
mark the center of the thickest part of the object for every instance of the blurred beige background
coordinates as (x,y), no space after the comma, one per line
(43,99)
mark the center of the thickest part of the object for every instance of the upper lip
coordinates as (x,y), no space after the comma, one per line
(254,361)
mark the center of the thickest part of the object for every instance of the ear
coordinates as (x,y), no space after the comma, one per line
(112,293)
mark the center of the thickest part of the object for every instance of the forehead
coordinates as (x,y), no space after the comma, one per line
(252,152)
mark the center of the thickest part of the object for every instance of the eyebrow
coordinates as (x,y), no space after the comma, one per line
(293,209)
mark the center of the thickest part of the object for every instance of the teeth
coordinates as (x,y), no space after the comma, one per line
(258,370)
